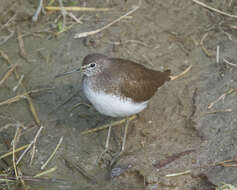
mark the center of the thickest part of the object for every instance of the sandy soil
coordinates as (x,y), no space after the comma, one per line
(176,133)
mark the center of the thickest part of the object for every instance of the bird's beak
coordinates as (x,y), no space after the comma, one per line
(69,72)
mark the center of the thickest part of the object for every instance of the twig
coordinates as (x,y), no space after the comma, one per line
(16,150)
(4,178)
(29,146)
(37,12)
(229,35)
(116,123)
(13,151)
(52,155)
(33,142)
(181,74)
(50,8)
(8,22)
(46,172)
(32,109)
(19,97)
(18,84)
(213,9)
(14,99)
(178,174)
(7,74)
(4,39)
(203,47)
(4,56)
(21,45)
(85,34)
(137,42)
(217,111)
(229,63)
(227,163)
(78,21)
(217,54)
(222,97)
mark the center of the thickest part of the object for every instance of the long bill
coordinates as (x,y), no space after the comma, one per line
(68,73)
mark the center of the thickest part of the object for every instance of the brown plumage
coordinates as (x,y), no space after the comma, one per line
(124,77)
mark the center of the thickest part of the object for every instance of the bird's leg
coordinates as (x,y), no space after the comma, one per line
(125,136)
(123,143)
(107,139)
(106,144)
(116,123)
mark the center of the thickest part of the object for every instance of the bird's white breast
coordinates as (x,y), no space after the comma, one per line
(112,105)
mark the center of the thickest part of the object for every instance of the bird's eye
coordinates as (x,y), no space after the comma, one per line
(92,65)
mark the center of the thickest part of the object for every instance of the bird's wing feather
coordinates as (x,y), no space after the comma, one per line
(138,82)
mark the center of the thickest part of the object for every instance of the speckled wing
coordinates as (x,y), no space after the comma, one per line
(139,82)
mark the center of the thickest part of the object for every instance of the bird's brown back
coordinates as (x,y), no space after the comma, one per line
(129,79)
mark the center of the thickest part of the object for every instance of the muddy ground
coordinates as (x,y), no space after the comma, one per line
(176,133)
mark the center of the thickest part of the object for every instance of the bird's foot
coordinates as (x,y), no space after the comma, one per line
(105,157)
(115,158)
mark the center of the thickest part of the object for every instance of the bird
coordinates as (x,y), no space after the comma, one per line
(119,87)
